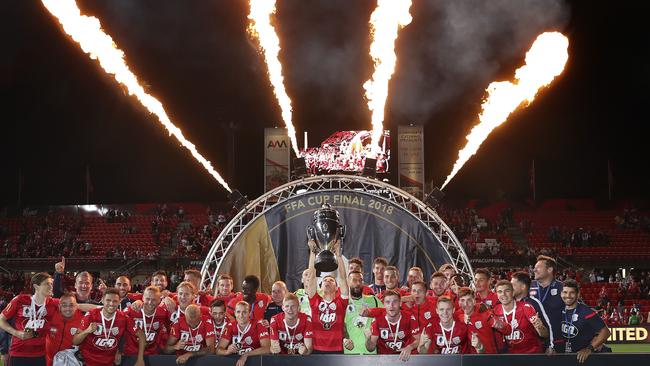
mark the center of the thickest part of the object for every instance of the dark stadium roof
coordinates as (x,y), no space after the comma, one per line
(61,113)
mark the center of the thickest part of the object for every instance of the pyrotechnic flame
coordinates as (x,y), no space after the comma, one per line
(385,21)
(87,32)
(260,28)
(544,61)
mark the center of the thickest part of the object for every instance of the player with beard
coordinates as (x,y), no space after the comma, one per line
(123,285)
(159,279)
(438,285)
(356,324)
(395,333)
(244,336)
(63,325)
(219,319)
(191,336)
(152,320)
(291,331)
(582,329)
(447,336)
(525,325)
(101,331)
(480,321)
(484,295)
(356,264)
(278,292)
(521,289)
(257,300)
(30,315)
(328,309)
(225,287)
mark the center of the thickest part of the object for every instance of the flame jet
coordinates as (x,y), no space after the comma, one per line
(260,28)
(544,61)
(88,33)
(385,21)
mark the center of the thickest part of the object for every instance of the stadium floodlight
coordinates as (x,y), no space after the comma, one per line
(370,168)
(237,199)
(299,168)
(433,199)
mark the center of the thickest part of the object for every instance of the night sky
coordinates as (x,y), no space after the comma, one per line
(61,112)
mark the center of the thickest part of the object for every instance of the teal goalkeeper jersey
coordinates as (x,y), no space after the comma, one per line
(355,324)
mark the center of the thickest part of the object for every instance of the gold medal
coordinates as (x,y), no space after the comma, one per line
(291,351)
(327,326)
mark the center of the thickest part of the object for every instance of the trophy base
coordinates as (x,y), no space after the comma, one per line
(326,262)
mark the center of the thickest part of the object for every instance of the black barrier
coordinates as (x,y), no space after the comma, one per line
(602,359)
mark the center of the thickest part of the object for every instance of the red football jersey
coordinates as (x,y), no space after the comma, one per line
(226,299)
(257,308)
(20,309)
(393,337)
(180,314)
(154,327)
(367,290)
(424,313)
(194,338)
(520,334)
(448,341)
(99,348)
(202,299)
(246,339)
(490,300)
(219,330)
(290,338)
(402,292)
(59,332)
(481,324)
(328,322)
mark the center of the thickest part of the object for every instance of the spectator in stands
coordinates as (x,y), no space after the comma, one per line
(583,331)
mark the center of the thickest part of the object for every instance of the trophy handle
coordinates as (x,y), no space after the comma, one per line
(342,232)
(311,233)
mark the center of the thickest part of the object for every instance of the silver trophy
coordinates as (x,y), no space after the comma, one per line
(325,232)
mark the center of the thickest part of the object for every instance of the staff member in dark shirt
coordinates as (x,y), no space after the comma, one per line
(548,290)
(582,329)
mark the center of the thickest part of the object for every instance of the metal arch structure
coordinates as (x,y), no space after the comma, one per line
(340,183)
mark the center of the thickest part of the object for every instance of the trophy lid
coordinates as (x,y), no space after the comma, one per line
(326,212)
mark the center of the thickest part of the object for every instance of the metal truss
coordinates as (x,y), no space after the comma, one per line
(339,183)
